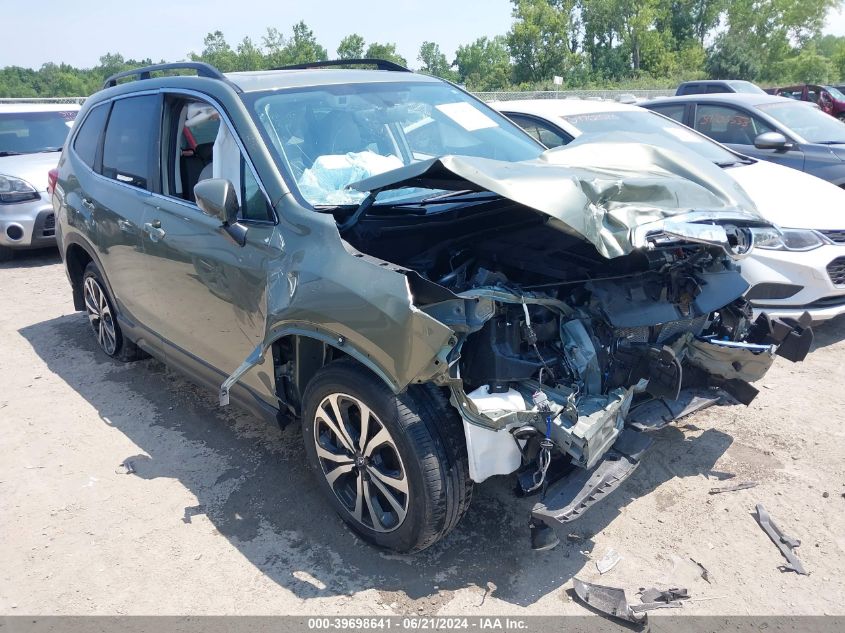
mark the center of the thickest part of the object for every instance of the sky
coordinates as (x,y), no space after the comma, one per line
(79,32)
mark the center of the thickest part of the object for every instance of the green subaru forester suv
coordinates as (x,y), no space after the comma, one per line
(379,257)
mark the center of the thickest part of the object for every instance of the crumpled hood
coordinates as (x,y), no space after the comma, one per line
(603,191)
(32,168)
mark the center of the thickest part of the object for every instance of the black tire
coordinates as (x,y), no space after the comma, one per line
(426,434)
(6,254)
(99,307)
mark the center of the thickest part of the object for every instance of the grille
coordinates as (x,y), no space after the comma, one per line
(836,270)
(836,235)
(49,228)
(662,333)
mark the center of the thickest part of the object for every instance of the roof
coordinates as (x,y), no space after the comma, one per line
(746,99)
(279,79)
(37,107)
(560,107)
(710,82)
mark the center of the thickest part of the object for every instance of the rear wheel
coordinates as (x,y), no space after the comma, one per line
(393,467)
(103,319)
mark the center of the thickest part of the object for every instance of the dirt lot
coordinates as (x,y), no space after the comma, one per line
(221,517)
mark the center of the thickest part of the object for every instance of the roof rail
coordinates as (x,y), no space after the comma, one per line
(380,64)
(203,70)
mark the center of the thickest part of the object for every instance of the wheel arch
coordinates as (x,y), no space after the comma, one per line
(77,257)
(298,354)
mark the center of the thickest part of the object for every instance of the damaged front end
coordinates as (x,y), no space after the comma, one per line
(582,307)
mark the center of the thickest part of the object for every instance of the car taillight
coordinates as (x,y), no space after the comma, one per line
(52,178)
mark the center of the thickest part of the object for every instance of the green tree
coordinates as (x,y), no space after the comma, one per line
(351,47)
(434,62)
(250,56)
(217,52)
(808,66)
(386,52)
(734,57)
(540,39)
(485,64)
(303,47)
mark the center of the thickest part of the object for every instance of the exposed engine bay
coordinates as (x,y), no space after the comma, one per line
(557,345)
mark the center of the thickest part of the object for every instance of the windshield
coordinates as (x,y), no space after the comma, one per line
(31,132)
(835,93)
(747,87)
(329,137)
(813,124)
(647,122)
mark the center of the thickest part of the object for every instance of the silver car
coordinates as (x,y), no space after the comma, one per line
(31,137)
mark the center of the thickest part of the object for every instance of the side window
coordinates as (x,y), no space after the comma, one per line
(675,111)
(131,136)
(253,203)
(88,138)
(692,89)
(200,146)
(715,89)
(728,125)
(541,132)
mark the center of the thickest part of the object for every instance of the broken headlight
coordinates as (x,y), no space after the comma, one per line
(774,239)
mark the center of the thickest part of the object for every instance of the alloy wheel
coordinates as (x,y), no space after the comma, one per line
(100,315)
(361,462)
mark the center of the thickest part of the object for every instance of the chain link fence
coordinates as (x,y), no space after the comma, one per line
(14,100)
(615,95)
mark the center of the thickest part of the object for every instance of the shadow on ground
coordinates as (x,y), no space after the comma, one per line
(264,501)
(33,258)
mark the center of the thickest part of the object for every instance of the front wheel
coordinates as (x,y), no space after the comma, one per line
(393,467)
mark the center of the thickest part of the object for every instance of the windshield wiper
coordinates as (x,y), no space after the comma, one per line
(733,163)
(9,153)
(831,142)
(47,150)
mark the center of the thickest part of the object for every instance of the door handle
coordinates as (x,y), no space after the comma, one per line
(154,230)
(88,204)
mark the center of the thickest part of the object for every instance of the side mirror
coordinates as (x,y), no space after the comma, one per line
(772,140)
(216,197)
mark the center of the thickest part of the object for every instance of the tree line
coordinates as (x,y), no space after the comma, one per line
(588,43)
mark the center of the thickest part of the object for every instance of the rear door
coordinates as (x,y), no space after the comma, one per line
(209,292)
(119,199)
(737,128)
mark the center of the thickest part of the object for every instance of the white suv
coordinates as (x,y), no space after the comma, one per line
(31,137)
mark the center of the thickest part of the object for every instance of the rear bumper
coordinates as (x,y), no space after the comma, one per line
(814,290)
(28,224)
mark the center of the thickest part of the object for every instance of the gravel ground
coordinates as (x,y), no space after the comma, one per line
(220,515)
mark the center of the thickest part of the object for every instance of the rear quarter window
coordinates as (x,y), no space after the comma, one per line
(675,111)
(131,136)
(88,138)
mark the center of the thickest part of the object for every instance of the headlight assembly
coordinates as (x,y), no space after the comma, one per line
(16,190)
(774,239)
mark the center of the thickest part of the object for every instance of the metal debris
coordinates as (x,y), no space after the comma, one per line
(785,543)
(672,594)
(705,575)
(743,486)
(608,561)
(648,606)
(608,600)
(126,468)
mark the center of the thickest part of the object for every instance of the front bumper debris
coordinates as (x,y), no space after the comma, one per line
(568,498)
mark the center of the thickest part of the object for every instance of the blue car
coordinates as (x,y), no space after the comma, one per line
(776,129)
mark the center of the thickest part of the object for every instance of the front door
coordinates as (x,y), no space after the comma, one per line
(210,291)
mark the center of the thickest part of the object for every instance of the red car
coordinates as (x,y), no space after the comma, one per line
(828,98)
